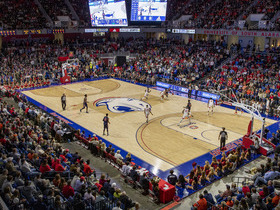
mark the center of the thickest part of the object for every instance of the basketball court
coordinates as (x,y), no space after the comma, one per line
(161,142)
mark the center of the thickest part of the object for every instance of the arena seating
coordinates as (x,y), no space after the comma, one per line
(22,14)
(56,8)
(224,13)
(196,8)
(81,8)
(202,176)
(189,64)
(241,74)
(259,190)
(37,172)
(268,8)
(228,10)
(176,8)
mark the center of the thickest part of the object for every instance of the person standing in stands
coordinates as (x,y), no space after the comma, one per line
(63,101)
(85,104)
(105,123)
(172,178)
(223,136)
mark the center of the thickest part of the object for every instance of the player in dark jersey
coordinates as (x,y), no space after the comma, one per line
(63,101)
(189,105)
(223,137)
(105,124)
(167,92)
(85,104)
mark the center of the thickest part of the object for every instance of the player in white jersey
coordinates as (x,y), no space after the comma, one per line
(165,93)
(210,105)
(162,93)
(147,112)
(147,91)
(186,115)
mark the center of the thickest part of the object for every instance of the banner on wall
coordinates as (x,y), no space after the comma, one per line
(186,90)
(183,31)
(274,34)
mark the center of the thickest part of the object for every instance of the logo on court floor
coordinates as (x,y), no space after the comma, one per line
(121,105)
(193,127)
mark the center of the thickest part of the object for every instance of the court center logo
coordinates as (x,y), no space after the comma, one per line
(122,105)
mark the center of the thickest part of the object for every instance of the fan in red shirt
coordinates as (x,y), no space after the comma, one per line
(67,190)
(58,166)
(44,167)
(245,189)
(201,204)
(62,156)
(3,140)
(87,170)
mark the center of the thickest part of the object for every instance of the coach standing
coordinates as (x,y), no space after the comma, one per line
(223,137)
(63,101)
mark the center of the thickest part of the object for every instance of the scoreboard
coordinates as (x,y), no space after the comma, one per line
(148,10)
(108,13)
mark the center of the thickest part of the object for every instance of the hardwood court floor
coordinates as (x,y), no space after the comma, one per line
(161,142)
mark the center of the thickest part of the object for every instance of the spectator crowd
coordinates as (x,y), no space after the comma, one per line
(259,191)
(38,173)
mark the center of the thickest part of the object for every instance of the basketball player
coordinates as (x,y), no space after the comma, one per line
(210,105)
(63,101)
(147,111)
(85,104)
(167,92)
(162,93)
(189,105)
(223,136)
(105,123)
(147,91)
(186,114)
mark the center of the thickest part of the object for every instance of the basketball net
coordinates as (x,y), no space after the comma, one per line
(69,64)
(228,97)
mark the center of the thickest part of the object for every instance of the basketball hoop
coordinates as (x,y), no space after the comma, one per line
(70,63)
(229,98)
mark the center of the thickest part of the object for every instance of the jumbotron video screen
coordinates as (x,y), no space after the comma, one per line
(108,12)
(148,10)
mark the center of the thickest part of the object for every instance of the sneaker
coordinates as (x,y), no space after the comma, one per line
(86,112)
(80,110)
